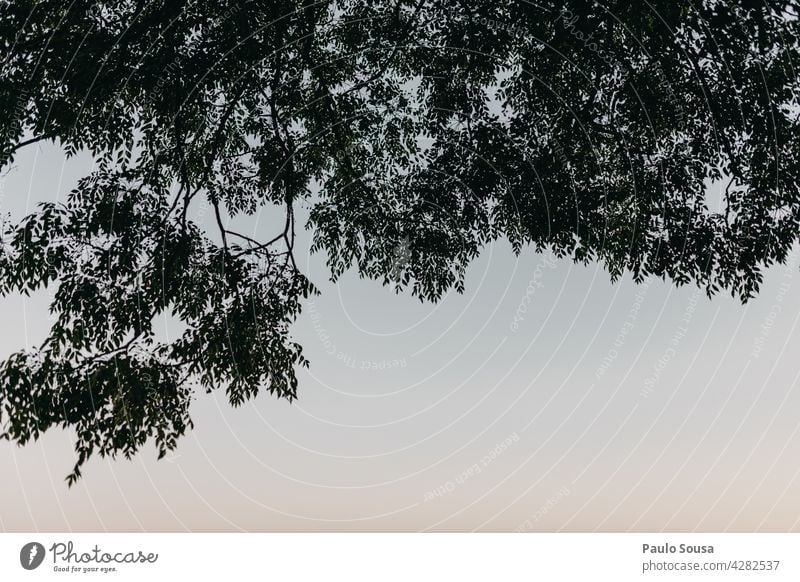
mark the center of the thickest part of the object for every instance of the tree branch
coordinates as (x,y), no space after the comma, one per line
(7,155)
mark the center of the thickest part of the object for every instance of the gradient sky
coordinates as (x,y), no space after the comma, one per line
(545,398)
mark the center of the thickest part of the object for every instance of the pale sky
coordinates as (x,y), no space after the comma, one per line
(545,398)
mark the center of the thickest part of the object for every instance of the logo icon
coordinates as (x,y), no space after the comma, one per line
(31,555)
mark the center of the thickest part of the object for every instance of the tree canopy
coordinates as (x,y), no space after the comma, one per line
(437,126)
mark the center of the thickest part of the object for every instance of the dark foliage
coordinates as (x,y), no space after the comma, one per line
(436,126)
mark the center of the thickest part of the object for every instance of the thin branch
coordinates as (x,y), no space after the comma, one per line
(5,156)
(290,243)
(184,171)
(242,236)
(216,145)
(728,203)
(261,246)
(222,230)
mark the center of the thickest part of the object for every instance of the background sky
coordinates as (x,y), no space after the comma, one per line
(545,398)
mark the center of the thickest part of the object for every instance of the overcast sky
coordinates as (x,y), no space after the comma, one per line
(543,398)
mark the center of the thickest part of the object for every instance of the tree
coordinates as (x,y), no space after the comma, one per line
(434,126)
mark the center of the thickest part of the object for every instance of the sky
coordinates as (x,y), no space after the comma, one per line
(544,398)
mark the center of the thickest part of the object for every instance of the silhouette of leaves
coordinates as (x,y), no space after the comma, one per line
(437,127)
